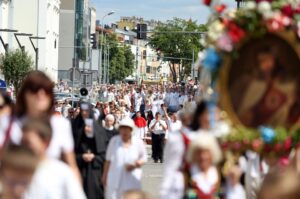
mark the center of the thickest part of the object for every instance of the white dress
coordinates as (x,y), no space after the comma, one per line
(173,153)
(119,180)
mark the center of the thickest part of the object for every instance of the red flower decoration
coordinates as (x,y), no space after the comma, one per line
(288,10)
(288,143)
(207,2)
(284,161)
(237,146)
(235,33)
(279,22)
(297,10)
(220,8)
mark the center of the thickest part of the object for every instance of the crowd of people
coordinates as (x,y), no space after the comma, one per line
(53,150)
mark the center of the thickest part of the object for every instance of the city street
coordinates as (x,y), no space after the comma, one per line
(103,99)
(152,176)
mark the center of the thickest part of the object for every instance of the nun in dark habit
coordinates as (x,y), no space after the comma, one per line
(90,146)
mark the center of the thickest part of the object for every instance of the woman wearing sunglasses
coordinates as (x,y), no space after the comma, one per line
(36,99)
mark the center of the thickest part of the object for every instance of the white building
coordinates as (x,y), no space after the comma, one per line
(39,18)
(67,38)
(4,21)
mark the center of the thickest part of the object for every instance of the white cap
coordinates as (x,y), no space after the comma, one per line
(128,123)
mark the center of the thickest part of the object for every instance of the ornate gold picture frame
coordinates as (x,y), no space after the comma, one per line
(260,83)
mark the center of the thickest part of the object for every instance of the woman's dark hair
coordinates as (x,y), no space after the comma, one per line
(201,108)
(34,81)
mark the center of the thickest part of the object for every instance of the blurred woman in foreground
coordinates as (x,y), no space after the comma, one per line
(36,99)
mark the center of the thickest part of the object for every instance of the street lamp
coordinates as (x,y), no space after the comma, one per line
(36,50)
(21,34)
(5,45)
(101,43)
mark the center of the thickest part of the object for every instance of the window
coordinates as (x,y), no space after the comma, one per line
(148,69)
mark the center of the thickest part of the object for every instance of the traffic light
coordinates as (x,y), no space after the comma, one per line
(142,31)
(93,41)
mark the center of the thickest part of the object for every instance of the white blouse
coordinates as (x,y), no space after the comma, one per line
(62,138)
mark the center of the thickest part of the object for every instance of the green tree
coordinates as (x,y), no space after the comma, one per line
(15,65)
(178,45)
(121,59)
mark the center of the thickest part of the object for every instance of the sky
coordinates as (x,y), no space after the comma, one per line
(154,9)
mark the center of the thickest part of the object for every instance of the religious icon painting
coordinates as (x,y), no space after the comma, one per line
(260,85)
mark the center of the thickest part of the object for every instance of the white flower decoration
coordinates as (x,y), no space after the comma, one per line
(250,5)
(264,7)
(215,30)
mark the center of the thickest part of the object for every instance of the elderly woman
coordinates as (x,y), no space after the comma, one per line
(124,158)
(200,178)
(109,127)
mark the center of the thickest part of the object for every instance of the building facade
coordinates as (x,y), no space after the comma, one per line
(77,23)
(131,23)
(39,18)
(4,20)
(66,48)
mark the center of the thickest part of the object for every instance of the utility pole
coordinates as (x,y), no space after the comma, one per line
(193,63)
(108,63)
(137,62)
(101,44)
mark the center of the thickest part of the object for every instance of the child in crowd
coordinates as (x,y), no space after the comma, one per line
(141,125)
(53,179)
(17,168)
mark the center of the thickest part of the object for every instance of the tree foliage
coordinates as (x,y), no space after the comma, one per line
(121,60)
(178,45)
(15,65)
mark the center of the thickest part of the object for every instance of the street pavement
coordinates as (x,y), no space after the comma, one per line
(152,175)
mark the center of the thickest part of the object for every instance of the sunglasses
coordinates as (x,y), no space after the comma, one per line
(36,88)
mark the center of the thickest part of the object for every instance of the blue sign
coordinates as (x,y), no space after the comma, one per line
(2,84)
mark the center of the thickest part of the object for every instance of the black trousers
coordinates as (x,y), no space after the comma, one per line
(158,144)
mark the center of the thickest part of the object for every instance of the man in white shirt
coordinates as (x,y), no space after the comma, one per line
(173,123)
(158,128)
(53,179)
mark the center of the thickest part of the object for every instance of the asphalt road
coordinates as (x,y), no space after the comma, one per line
(152,175)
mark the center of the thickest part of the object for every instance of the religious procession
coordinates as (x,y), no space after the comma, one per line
(228,129)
